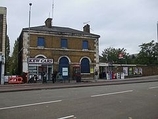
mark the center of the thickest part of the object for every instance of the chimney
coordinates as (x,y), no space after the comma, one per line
(86,28)
(48,22)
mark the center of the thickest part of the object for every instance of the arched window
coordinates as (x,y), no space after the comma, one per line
(64,67)
(64,61)
(85,66)
(40,57)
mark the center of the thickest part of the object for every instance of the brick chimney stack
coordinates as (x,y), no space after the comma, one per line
(86,28)
(48,22)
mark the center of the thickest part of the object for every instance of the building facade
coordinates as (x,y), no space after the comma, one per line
(50,48)
(3,32)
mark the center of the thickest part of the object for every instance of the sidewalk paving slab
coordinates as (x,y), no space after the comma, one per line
(74,84)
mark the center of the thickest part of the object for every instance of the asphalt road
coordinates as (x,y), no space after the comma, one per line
(126,101)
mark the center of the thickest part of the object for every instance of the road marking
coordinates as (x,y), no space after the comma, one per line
(114,93)
(67,117)
(27,105)
(153,87)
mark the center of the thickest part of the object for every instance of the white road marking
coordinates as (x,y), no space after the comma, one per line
(153,87)
(67,117)
(114,93)
(27,105)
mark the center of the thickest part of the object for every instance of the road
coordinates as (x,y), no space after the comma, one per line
(126,101)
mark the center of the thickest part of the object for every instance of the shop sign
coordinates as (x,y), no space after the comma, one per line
(40,61)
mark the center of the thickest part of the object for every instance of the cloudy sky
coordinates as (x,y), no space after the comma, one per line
(120,23)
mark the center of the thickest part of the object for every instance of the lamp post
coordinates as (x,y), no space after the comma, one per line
(30,4)
(157,31)
(157,40)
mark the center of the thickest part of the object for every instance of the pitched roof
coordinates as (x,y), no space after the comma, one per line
(60,31)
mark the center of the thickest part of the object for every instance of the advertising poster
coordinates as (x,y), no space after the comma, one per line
(65,71)
(140,71)
(91,70)
(135,70)
(125,71)
(130,71)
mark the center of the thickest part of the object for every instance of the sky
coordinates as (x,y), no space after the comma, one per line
(120,23)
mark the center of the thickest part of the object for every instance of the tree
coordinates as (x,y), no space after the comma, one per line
(155,48)
(148,53)
(113,55)
(14,59)
(7,57)
(132,59)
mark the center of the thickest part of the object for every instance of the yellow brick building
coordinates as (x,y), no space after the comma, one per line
(51,48)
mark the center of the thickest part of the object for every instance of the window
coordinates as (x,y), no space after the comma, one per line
(64,43)
(85,66)
(85,44)
(40,42)
(64,67)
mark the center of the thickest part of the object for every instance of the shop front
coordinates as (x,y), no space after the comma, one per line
(39,66)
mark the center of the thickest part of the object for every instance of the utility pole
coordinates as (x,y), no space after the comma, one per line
(157,31)
(52,9)
(30,4)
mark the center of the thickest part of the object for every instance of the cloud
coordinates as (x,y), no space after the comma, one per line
(121,24)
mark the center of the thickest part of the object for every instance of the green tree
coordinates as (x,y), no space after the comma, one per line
(155,48)
(148,54)
(132,59)
(14,59)
(111,55)
(7,57)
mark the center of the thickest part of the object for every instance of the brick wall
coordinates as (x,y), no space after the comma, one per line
(54,42)
(53,50)
(150,70)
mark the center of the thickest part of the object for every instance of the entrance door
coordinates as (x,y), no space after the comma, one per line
(40,70)
(49,73)
(64,67)
(85,66)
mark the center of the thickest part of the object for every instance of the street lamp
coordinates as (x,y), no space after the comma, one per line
(30,4)
(157,31)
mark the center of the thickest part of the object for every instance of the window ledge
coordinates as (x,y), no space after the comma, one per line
(40,47)
(84,49)
(64,47)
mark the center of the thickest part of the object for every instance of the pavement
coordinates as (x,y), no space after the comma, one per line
(74,84)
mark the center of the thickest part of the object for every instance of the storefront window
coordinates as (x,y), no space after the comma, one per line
(39,65)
